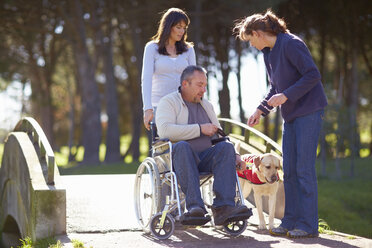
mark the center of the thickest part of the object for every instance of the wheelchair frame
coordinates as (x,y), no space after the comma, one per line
(152,174)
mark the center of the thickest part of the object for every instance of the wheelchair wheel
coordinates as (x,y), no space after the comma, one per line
(166,230)
(236,228)
(146,192)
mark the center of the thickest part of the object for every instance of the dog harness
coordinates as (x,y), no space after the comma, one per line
(247,174)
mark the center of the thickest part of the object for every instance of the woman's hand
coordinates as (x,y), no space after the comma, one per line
(277,99)
(239,163)
(255,118)
(147,117)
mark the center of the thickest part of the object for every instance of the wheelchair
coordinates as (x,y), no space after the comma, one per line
(159,201)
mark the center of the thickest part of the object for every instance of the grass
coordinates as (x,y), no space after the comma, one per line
(48,243)
(345,203)
(42,243)
(115,168)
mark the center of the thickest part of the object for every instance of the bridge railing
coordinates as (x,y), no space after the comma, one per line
(40,141)
(252,140)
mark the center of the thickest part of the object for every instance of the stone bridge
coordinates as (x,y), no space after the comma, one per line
(33,203)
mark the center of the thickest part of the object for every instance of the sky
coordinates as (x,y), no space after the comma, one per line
(11,105)
(254,88)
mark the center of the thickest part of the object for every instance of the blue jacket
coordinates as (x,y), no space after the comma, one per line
(292,71)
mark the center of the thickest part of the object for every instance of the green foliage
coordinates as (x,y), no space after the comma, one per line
(77,244)
(324,227)
(49,242)
(26,243)
(115,168)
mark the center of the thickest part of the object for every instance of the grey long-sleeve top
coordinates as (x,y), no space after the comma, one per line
(161,73)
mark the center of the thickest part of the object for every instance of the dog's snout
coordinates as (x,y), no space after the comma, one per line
(274,178)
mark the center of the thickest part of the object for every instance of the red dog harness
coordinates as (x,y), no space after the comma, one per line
(247,174)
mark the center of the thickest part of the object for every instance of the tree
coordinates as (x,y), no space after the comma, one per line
(30,31)
(101,22)
(91,110)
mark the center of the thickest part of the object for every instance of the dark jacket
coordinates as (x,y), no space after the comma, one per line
(292,71)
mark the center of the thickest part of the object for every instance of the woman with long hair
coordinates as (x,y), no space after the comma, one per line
(296,87)
(165,57)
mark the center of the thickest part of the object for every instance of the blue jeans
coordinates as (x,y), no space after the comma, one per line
(218,159)
(300,141)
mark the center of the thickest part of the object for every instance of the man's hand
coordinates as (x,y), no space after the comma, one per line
(255,118)
(277,99)
(208,129)
(240,164)
(147,117)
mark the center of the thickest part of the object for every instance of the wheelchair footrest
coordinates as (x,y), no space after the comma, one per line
(239,217)
(194,221)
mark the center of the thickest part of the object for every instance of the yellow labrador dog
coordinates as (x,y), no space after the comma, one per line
(263,178)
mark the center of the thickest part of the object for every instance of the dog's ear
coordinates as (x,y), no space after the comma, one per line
(257,161)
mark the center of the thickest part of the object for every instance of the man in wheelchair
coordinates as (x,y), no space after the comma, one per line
(189,121)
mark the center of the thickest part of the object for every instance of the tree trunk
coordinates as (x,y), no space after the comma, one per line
(134,87)
(276,125)
(238,49)
(71,117)
(323,142)
(267,118)
(353,111)
(42,101)
(112,134)
(104,50)
(136,100)
(222,55)
(197,31)
(91,111)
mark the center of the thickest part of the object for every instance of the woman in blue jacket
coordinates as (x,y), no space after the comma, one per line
(296,87)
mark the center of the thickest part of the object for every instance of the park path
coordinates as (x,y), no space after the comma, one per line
(100,213)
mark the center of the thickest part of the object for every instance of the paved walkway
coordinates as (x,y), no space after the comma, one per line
(100,213)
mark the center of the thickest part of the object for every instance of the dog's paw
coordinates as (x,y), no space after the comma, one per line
(262,226)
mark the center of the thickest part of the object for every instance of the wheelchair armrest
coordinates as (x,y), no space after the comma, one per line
(160,141)
(160,146)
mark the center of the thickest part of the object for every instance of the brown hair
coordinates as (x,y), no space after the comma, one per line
(170,18)
(267,22)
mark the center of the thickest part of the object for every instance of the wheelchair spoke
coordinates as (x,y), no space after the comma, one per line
(235,228)
(166,230)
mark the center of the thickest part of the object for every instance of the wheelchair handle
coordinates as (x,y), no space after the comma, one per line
(154,132)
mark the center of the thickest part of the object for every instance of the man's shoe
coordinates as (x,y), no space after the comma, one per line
(297,233)
(195,217)
(278,231)
(224,214)
(196,212)
(244,209)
